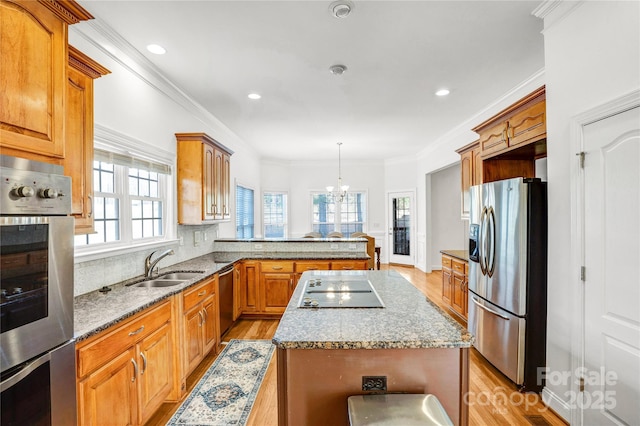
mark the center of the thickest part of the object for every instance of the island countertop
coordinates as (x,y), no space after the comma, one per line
(408,320)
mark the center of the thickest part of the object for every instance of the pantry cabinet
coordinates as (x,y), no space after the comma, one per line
(204,179)
(200,319)
(33,76)
(78,160)
(126,372)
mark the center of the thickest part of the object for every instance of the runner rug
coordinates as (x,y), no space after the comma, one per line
(227,391)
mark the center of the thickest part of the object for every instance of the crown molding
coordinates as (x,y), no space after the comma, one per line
(555,11)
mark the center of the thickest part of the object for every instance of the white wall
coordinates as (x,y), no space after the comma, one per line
(592,55)
(448,230)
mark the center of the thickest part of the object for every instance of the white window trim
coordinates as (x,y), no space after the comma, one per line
(110,140)
(287,212)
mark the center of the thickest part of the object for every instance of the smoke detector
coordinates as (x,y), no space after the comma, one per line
(337,69)
(341,8)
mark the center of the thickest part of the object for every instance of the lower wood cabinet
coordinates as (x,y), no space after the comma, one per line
(455,285)
(126,372)
(200,323)
(276,286)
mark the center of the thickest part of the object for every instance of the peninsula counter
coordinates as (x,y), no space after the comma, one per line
(326,355)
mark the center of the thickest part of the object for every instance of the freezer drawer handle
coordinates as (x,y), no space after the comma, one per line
(491,311)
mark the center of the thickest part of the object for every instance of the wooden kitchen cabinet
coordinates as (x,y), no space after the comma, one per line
(348,265)
(33,76)
(204,179)
(126,372)
(310,265)
(248,287)
(276,285)
(200,317)
(455,285)
(470,173)
(78,161)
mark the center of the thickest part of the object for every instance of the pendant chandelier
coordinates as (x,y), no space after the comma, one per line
(338,193)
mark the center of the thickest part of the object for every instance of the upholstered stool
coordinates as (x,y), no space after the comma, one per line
(396,409)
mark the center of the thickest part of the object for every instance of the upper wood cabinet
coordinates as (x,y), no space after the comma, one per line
(78,161)
(521,124)
(204,179)
(33,76)
(470,173)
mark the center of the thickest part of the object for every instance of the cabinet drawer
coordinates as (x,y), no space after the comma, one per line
(446,262)
(347,265)
(197,294)
(116,341)
(529,125)
(457,266)
(275,266)
(312,266)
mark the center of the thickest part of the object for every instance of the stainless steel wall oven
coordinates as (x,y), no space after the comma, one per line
(36,295)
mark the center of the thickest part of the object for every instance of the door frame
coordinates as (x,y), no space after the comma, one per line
(411,193)
(577,124)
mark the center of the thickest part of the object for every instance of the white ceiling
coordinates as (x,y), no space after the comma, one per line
(398,53)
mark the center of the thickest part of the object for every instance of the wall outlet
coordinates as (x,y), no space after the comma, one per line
(257,246)
(181,240)
(374,383)
(334,247)
(352,246)
(197,238)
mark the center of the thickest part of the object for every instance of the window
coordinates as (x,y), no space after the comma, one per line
(274,208)
(130,201)
(244,212)
(346,217)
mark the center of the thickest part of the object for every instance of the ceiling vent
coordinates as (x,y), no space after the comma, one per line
(340,9)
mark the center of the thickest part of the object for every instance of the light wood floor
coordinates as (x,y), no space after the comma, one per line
(493,399)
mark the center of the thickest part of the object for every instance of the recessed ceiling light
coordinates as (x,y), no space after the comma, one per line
(157,49)
(340,9)
(337,69)
(442,92)
(254,96)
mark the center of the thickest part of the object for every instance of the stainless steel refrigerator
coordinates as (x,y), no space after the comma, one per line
(508,277)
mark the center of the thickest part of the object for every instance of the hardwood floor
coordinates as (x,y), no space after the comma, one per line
(493,399)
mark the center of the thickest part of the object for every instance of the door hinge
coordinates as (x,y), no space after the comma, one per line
(583,273)
(581,384)
(581,159)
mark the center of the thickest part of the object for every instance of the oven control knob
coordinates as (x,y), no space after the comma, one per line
(48,193)
(24,191)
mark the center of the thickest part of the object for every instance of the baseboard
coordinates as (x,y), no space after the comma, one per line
(556,404)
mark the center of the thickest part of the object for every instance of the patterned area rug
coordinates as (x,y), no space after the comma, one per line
(227,391)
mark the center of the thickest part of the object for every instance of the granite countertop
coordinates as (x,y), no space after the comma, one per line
(458,254)
(96,311)
(408,320)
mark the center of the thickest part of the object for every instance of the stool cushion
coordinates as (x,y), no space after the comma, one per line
(397,409)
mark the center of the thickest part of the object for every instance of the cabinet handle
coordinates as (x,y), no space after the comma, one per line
(144,363)
(91,204)
(202,293)
(348,268)
(133,333)
(201,318)
(135,370)
(204,315)
(276,268)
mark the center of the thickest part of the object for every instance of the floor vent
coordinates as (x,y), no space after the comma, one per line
(537,420)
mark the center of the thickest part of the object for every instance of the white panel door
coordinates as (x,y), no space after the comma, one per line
(612,264)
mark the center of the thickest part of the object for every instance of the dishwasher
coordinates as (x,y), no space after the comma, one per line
(225,288)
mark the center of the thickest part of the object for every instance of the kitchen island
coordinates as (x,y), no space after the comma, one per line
(407,346)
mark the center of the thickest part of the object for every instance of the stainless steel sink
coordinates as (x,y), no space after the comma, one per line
(180,276)
(159,283)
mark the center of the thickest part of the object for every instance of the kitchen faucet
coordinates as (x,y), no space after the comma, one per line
(148,265)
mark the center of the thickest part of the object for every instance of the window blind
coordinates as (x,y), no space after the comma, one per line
(129,161)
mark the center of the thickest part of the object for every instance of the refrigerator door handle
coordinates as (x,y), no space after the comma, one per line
(491,311)
(491,249)
(481,241)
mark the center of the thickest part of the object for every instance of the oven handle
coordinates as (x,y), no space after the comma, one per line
(28,369)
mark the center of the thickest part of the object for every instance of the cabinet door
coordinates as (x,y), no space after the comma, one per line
(110,393)
(78,162)
(193,344)
(458,294)
(466,175)
(276,290)
(218,164)
(446,285)
(493,139)
(226,185)
(529,125)
(156,372)
(209,325)
(209,182)
(248,288)
(33,69)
